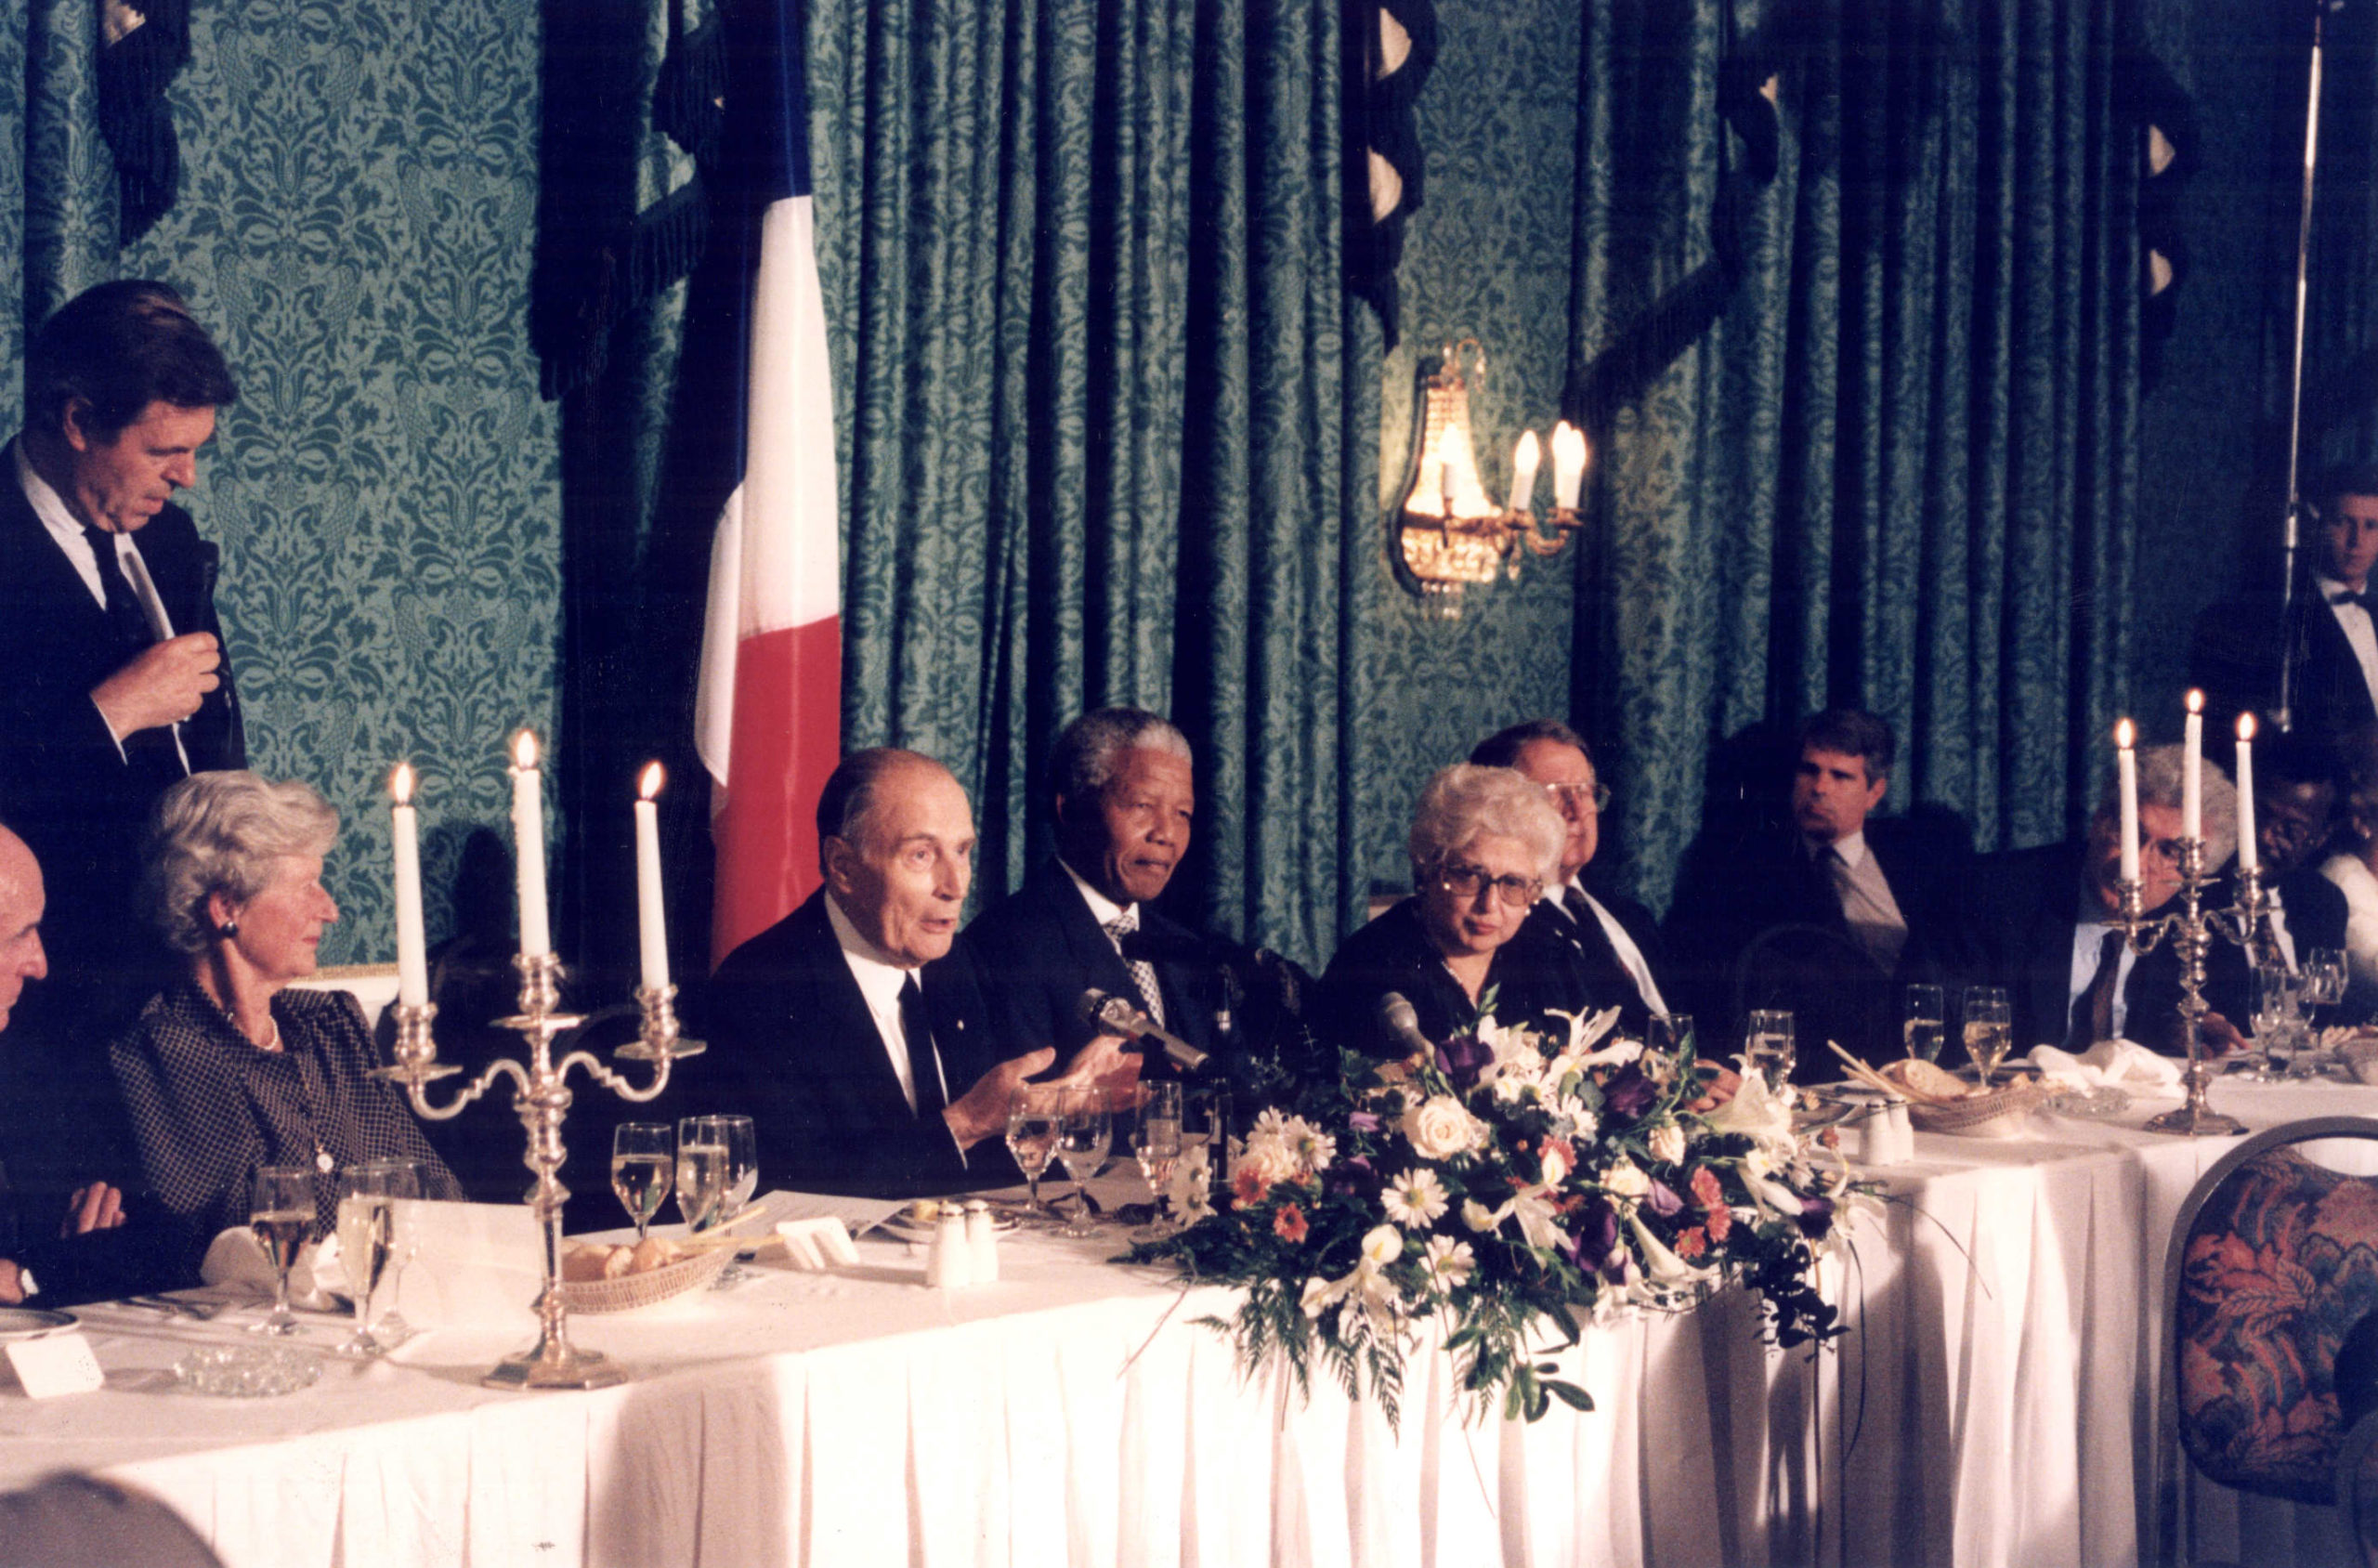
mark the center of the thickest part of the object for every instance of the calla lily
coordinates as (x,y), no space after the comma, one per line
(1660,1264)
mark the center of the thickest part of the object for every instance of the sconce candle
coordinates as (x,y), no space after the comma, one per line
(1568,465)
(2249,854)
(652,932)
(2126,766)
(1525,460)
(529,845)
(412,952)
(2192,770)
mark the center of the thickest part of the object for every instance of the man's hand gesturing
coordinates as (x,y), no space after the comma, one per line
(163,685)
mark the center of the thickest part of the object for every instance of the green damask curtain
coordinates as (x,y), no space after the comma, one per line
(1082,274)
(1900,471)
(57,181)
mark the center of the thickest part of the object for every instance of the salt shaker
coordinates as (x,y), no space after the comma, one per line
(981,1242)
(947,1264)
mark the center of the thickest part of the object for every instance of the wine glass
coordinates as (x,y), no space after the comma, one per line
(280,1211)
(368,1242)
(742,1164)
(642,1156)
(702,1171)
(2278,1020)
(1671,1034)
(1156,1144)
(1990,1031)
(1032,1138)
(1768,1047)
(1924,1022)
(1085,1134)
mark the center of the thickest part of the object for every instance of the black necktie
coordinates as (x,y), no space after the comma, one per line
(2092,1011)
(924,1062)
(1607,979)
(126,618)
(2365,599)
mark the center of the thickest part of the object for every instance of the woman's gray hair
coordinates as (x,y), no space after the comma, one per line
(1465,800)
(221,832)
(2161,781)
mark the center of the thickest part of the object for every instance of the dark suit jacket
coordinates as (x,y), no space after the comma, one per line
(792,1045)
(2025,905)
(65,787)
(1605,981)
(2239,643)
(1530,976)
(1040,949)
(2315,909)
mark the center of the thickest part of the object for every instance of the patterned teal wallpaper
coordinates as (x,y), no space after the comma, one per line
(358,189)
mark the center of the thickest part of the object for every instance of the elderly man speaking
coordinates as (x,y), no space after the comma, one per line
(854,1030)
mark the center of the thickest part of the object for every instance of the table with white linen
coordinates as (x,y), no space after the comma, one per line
(1996,1404)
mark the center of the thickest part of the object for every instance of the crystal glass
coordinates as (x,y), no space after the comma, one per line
(368,1245)
(702,1170)
(1156,1144)
(643,1155)
(742,1164)
(1671,1034)
(2324,972)
(1990,1030)
(1032,1118)
(2278,1020)
(1768,1046)
(1085,1134)
(1924,1022)
(280,1211)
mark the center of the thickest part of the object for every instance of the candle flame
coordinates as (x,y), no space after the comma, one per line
(2245,726)
(401,784)
(2196,702)
(524,750)
(648,785)
(2125,734)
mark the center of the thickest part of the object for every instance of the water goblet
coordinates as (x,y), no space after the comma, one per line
(1156,1144)
(1032,1139)
(1769,1048)
(1989,1030)
(280,1211)
(1924,1022)
(742,1164)
(642,1157)
(368,1245)
(1085,1134)
(702,1171)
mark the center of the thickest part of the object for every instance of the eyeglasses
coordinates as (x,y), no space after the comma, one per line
(1463,882)
(1598,795)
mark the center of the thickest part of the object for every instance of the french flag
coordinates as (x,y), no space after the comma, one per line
(768,711)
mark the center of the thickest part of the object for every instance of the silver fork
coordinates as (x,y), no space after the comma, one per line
(202,1311)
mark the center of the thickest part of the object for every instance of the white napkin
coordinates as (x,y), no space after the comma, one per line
(821,1242)
(238,1259)
(2110,1064)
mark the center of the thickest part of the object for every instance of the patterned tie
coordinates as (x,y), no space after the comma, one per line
(925,1060)
(2093,1012)
(126,618)
(1143,972)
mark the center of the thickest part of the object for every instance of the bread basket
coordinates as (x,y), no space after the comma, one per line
(631,1292)
(2001,1113)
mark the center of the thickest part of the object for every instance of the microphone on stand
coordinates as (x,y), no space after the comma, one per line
(1400,1024)
(1101,1010)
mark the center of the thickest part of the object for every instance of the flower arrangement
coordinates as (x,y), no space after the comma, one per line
(1519,1177)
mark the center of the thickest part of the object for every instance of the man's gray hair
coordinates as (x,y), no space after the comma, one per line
(221,832)
(1084,760)
(1466,802)
(846,805)
(2161,782)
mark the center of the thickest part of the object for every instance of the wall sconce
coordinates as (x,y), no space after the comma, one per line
(1449,534)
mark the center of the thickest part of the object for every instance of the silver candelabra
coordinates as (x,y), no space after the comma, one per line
(2192,929)
(542,1097)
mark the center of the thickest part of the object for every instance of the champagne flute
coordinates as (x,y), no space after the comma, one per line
(1032,1138)
(702,1171)
(742,1164)
(280,1211)
(1085,1134)
(642,1156)
(1924,1022)
(1156,1144)
(366,1237)
(1989,1032)
(1768,1046)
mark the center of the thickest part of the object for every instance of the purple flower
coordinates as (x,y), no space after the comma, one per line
(1816,1217)
(1597,1235)
(1462,1058)
(1661,1201)
(1363,1121)
(1629,1092)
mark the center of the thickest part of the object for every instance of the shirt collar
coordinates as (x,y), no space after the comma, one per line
(1102,909)
(878,977)
(47,504)
(2330,587)
(1852,849)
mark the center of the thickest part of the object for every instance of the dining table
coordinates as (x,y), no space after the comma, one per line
(1996,1400)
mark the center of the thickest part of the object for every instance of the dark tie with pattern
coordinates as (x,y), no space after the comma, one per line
(2092,1011)
(126,618)
(924,1061)
(1123,930)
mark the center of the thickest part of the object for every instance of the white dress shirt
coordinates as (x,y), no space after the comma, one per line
(1866,900)
(2354,621)
(880,979)
(2088,940)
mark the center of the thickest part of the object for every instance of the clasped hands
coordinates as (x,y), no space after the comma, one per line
(96,1208)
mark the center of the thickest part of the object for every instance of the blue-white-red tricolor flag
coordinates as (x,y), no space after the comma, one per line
(767,712)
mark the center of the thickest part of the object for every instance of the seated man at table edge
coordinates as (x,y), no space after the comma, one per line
(94,1256)
(2038,924)
(854,1031)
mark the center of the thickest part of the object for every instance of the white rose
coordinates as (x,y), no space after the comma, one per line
(1439,1127)
(1624,1180)
(1666,1144)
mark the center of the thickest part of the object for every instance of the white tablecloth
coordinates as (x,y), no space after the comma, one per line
(2000,1388)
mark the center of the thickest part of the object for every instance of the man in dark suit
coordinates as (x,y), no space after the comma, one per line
(854,1031)
(2299,779)
(1084,919)
(1828,918)
(112,685)
(1610,940)
(2039,925)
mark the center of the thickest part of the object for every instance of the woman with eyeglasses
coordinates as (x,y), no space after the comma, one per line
(1483,841)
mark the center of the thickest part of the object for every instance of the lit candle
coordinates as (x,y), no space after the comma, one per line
(2249,857)
(1568,465)
(1525,460)
(1446,447)
(2126,764)
(412,952)
(652,932)
(529,845)
(2192,771)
